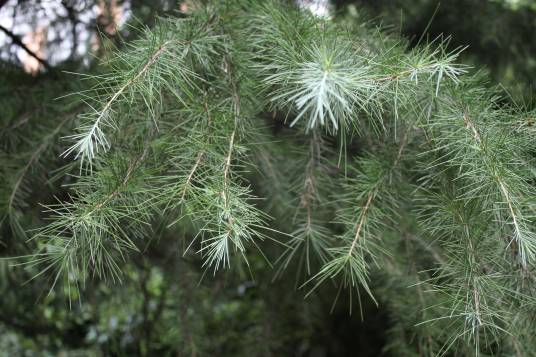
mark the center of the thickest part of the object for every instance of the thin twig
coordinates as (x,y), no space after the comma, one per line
(116,95)
(133,166)
(361,222)
(191,174)
(228,167)
(500,182)
(372,195)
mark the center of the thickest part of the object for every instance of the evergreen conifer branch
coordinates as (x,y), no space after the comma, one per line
(209,125)
(490,172)
(311,239)
(89,141)
(364,220)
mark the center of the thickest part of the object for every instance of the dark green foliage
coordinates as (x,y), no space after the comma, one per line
(251,135)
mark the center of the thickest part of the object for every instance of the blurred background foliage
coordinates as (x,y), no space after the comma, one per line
(166,305)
